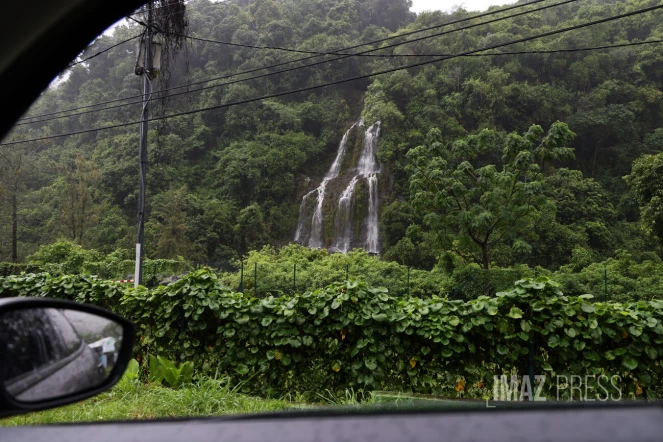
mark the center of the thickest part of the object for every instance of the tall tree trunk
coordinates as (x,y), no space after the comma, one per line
(14,229)
(485,275)
(484,254)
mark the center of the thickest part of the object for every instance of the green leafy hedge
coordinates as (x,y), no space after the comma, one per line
(351,335)
(153,269)
(81,288)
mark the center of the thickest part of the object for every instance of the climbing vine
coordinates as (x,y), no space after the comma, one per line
(349,335)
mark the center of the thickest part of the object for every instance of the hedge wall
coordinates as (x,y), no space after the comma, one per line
(153,269)
(348,335)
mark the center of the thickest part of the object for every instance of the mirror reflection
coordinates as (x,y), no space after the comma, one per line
(51,352)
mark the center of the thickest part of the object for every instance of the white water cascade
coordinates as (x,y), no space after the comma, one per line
(372,226)
(367,168)
(315,236)
(310,228)
(343,222)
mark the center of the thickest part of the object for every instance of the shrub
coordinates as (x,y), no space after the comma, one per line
(319,268)
(620,279)
(67,258)
(163,370)
(350,335)
(12,268)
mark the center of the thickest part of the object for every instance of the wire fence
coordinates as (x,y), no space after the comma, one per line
(262,279)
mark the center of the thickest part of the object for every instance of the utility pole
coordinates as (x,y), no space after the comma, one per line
(142,155)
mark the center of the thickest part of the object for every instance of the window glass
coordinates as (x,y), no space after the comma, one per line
(351,201)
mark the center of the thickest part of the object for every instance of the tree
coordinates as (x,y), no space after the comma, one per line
(472,207)
(600,126)
(250,228)
(171,224)
(210,228)
(577,214)
(82,204)
(269,152)
(15,167)
(580,202)
(646,180)
(395,219)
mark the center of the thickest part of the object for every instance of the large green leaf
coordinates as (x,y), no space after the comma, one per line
(629,363)
(651,352)
(516,313)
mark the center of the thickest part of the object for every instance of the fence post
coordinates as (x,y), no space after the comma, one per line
(347,266)
(408,280)
(255,279)
(469,278)
(241,278)
(294,278)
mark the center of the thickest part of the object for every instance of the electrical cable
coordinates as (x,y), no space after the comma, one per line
(96,54)
(297,67)
(453,22)
(346,80)
(543,51)
(537,52)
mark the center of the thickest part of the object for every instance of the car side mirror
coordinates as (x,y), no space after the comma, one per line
(54,352)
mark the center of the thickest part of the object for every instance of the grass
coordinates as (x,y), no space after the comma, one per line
(131,401)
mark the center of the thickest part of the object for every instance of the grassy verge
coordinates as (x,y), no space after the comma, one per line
(138,401)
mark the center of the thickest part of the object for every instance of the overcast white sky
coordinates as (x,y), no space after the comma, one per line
(446,5)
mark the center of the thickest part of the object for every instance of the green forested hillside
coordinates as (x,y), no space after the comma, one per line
(495,158)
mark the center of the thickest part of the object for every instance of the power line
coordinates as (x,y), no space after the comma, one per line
(241,45)
(72,64)
(491,54)
(453,22)
(96,54)
(542,51)
(296,67)
(346,80)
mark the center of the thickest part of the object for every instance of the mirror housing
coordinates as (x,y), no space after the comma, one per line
(10,308)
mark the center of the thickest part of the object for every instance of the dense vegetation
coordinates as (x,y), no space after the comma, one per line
(351,335)
(226,182)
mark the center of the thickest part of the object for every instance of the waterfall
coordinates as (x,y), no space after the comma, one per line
(372,237)
(343,221)
(303,226)
(368,168)
(310,230)
(317,240)
(315,237)
(368,161)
